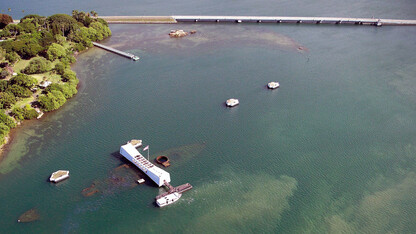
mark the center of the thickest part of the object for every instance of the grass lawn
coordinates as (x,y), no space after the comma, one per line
(55,78)
(50,76)
(20,65)
(24,101)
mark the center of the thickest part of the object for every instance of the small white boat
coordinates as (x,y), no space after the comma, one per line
(168,199)
(232,102)
(140,181)
(58,176)
(273,85)
(135,58)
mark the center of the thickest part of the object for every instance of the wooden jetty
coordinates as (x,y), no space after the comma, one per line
(119,52)
(298,20)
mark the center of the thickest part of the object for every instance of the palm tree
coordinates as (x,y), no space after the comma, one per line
(93,13)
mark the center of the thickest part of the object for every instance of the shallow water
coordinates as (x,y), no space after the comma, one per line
(332,150)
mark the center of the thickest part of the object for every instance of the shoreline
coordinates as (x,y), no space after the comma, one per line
(5,148)
(64,76)
(9,140)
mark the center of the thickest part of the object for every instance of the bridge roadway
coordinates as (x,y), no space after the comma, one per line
(286,19)
(253,19)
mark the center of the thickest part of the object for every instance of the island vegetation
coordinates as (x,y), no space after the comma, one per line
(35,58)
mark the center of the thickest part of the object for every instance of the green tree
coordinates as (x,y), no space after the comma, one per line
(37,20)
(23,80)
(82,17)
(6,100)
(4,131)
(4,74)
(46,39)
(17,114)
(27,26)
(27,47)
(13,29)
(37,65)
(29,112)
(52,100)
(82,35)
(67,89)
(3,85)
(19,91)
(7,120)
(55,51)
(62,24)
(69,75)
(60,39)
(60,68)
(12,57)
(93,13)
(101,29)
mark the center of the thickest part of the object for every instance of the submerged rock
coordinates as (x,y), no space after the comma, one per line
(29,216)
(178,33)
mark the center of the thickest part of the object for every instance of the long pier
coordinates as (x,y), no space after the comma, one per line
(255,19)
(119,52)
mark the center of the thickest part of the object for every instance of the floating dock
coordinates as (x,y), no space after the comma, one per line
(179,189)
(119,52)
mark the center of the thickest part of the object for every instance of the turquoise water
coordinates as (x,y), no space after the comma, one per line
(332,150)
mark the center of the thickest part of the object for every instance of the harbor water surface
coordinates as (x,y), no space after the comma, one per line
(332,150)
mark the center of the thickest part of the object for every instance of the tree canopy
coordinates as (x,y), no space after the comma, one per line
(46,41)
(7,99)
(23,80)
(55,51)
(62,24)
(37,65)
(52,100)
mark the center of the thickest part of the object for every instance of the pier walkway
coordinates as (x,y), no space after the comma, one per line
(119,52)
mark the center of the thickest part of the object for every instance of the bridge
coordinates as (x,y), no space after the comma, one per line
(255,19)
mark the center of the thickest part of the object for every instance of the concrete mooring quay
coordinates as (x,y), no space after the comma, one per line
(298,20)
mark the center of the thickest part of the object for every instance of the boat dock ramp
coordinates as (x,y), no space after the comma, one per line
(179,189)
(119,52)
